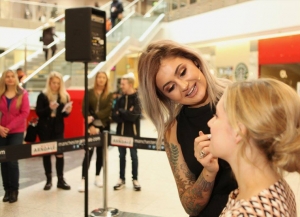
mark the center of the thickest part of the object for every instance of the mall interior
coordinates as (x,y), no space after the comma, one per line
(239,39)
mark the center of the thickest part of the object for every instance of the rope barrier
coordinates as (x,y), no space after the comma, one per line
(23,151)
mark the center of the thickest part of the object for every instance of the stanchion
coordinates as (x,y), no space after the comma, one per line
(105,211)
(86,147)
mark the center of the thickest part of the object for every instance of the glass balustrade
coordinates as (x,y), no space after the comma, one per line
(33,11)
(30,53)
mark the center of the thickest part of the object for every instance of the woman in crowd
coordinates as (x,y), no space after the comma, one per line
(99,108)
(51,110)
(178,93)
(256,129)
(14,109)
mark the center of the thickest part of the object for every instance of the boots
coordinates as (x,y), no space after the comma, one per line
(13,196)
(49,182)
(62,184)
(6,196)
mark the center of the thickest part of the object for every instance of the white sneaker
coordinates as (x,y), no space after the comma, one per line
(81,186)
(98,182)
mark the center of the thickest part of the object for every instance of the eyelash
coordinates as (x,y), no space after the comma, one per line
(181,74)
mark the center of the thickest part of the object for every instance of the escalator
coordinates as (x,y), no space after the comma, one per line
(131,34)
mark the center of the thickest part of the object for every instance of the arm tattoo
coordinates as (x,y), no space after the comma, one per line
(183,177)
(194,194)
(204,185)
(174,155)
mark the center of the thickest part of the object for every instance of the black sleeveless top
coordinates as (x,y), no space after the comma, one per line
(190,122)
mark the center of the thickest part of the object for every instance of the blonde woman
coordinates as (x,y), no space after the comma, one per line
(14,109)
(49,109)
(256,129)
(100,108)
(178,93)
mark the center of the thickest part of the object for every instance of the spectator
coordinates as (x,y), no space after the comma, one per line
(178,93)
(256,130)
(54,13)
(51,108)
(100,108)
(21,76)
(48,38)
(14,109)
(126,114)
(116,10)
(115,98)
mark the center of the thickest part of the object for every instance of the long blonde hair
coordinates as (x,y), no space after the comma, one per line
(106,88)
(64,96)
(18,89)
(270,111)
(160,109)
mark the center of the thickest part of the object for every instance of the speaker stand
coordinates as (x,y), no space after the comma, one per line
(86,147)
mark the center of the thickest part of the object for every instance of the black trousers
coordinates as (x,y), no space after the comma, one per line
(99,160)
(99,157)
(59,165)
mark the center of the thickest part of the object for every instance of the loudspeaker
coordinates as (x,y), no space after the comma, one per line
(85,34)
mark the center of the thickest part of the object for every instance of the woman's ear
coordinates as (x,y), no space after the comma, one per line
(240,133)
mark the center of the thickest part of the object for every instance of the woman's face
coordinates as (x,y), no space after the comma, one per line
(10,79)
(101,80)
(180,80)
(54,84)
(223,137)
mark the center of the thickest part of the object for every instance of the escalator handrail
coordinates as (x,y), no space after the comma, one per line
(36,3)
(149,12)
(44,65)
(21,41)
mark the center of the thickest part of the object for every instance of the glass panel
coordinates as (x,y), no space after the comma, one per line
(134,25)
(30,10)
(26,48)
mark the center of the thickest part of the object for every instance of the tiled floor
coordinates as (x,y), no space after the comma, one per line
(158,196)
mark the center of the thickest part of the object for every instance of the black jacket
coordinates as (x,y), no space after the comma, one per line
(49,128)
(127,114)
(118,8)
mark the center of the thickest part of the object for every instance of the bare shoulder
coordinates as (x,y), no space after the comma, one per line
(170,135)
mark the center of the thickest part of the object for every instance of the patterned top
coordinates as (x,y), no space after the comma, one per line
(276,201)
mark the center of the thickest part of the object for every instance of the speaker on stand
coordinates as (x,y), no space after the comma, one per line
(85,29)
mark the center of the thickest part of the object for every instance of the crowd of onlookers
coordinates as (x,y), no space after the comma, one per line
(52,106)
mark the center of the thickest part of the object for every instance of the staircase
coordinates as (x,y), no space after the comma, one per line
(132,34)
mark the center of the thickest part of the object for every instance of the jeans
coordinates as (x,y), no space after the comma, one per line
(99,160)
(10,170)
(59,164)
(134,161)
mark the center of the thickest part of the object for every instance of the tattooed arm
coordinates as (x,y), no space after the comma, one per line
(194,193)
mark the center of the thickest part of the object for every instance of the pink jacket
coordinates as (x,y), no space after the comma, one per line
(12,118)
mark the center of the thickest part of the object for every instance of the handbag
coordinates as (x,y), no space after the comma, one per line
(31,131)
